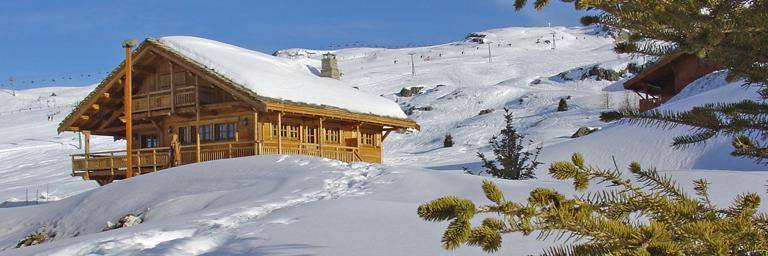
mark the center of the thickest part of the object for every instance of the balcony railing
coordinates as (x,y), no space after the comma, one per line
(160,100)
(112,163)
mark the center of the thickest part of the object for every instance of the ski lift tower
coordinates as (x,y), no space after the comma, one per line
(413,66)
(553,39)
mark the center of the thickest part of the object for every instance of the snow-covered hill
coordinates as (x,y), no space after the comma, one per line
(34,159)
(299,205)
(278,205)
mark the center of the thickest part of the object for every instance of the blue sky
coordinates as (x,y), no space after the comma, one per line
(50,42)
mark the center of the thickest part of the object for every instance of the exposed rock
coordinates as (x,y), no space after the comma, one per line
(128,220)
(408,92)
(485,111)
(601,74)
(584,131)
(36,237)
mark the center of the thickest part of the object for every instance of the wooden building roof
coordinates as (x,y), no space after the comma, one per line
(239,89)
(670,75)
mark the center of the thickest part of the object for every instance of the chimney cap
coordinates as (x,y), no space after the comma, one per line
(129,43)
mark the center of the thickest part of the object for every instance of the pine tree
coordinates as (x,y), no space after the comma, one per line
(746,122)
(730,33)
(562,105)
(508,148)
(650,216)
(448,141)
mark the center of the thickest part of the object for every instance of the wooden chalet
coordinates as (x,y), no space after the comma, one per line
(189,106)
(665,79)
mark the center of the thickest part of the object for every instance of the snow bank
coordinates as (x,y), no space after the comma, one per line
(652,147)
(281,205)
(278,78)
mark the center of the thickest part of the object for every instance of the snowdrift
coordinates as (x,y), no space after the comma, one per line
(652,147)
(279,205)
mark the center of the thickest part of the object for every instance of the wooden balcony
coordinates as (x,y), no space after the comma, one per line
(110,165)
(161,100)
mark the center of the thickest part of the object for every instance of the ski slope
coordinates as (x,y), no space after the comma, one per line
(298,205)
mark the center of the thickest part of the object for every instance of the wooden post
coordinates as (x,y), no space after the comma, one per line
(87,152)
(173,88)
(197,119)
(359,139)
(154,160)
(279,132)
(321,137)
(256,127)
(138,162)
(229,149)
(359,136)
(128,44)
(301,138)
(112,164)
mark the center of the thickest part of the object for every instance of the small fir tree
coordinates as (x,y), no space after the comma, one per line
(448,141)
(508,147)
(562,105)
(649,216)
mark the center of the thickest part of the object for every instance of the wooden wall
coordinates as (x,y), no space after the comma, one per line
(298,129)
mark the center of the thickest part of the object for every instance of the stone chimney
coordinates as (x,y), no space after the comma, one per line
(330,66)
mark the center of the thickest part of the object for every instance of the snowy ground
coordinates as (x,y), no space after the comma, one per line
(294,205)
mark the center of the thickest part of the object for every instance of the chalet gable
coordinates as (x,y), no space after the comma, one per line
(100,109)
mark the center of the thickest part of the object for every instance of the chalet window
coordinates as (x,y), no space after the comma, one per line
(183,135)
(290,131)
(367,138)
(311,134)
(193,134)
(206,133)
(225,131)
(149,141)
(332,135)
(273,129)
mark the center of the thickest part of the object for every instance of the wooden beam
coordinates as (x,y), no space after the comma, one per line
(87,135)
(112,117)
(321,136)
(256,127)
(340,114)
(121,129)
(173,87)
(85,117)
(386,133)
(105,95)
(95,106)
(74,128)
(280,132)
(127,109)
(197,118)
(359,136)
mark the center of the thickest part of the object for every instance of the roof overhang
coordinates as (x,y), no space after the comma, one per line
(240,92)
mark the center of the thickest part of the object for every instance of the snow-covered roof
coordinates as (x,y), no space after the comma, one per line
(278,78)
